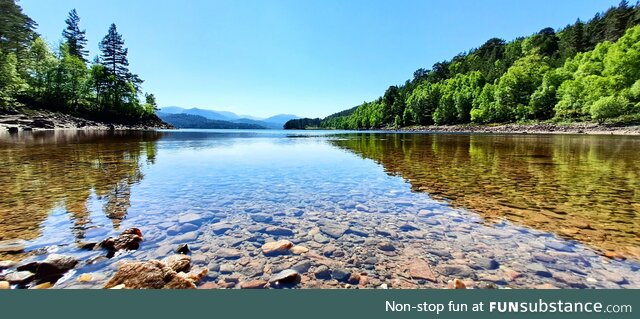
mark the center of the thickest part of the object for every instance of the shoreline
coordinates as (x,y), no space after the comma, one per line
(541,128)
(47,120)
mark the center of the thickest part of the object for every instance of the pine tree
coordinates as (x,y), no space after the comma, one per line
(75,38)
(114,55)
(16,29)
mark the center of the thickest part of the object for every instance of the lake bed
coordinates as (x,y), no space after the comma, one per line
(364,209)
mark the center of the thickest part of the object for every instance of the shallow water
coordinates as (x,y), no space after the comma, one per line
(515,211)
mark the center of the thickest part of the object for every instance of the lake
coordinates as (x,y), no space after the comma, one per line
(373,209)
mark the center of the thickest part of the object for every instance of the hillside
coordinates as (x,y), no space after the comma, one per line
(196,121)
(584,72)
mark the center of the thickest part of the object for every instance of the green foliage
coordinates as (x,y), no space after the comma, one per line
(609,107)
(32,75)
(551,74)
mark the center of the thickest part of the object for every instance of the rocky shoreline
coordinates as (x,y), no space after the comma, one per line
(46,120)
(541,128)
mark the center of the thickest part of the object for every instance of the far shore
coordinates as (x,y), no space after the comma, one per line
(46,120)
(540,128)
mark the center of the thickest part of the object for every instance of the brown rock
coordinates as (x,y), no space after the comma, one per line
(276,247)
(456,284)
(129,239)
(420,269)
(297,250)
(149,275)
(354,279)
(364,280)
(178,262)
(386,246)
(4,285)
(614,255)
(253,284)
(209,285)
(44,285)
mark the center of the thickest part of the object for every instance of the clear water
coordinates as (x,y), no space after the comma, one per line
(540,210)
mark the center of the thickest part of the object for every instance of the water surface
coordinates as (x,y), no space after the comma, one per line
(514,211)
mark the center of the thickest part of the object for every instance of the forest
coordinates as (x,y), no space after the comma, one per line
(33,76)
(586,71)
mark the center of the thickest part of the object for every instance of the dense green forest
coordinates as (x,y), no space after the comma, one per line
(34,76)
(586,71)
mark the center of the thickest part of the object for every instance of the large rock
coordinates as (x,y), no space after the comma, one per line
(178,262)
(53,266)
(285,278)
(149,275)
(276,247)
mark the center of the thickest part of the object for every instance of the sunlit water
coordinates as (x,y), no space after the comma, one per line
(515,211)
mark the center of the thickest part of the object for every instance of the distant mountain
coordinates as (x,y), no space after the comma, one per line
(281,118)
(274,122)
(183,120)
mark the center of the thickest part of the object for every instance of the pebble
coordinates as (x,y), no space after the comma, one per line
(221,228)
(322,272)
(228,253)
(298,250)
(189,218)
(386,246)
(420,269)
(558,246)
(253,284)
(285,277)
(276,247)
(227,268)
(187,237)
(262,218)
(6,264)
(539,270)
(4,285)
(455,270)
(19,277)
(487,263)
(278,231)
(321,238)
(183,249)
(12,245)
(456,284)
(340,274)
(302,267)
(333,231)
(85,278)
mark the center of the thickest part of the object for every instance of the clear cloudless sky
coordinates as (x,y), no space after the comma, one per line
(310,58)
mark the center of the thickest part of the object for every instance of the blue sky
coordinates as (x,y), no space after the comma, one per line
(310,58)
